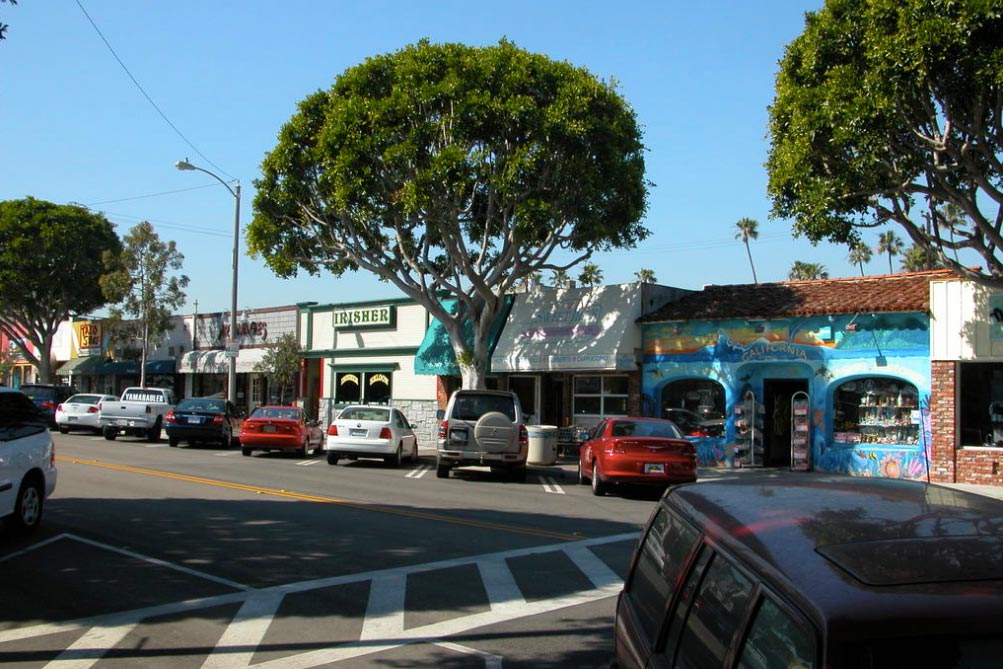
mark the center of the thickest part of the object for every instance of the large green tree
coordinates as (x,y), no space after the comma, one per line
(50,267)
(890,111)
(453,172)
(281,363)
(145,289)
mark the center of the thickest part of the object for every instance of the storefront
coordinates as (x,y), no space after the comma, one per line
(831,375)
(364,353)
(205,367)
(572,355)
(967,371)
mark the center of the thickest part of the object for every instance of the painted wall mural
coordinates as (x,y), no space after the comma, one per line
(867,377)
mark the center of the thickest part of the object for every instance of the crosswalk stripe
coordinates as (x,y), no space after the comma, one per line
(550,485)
(419,472)
(385,610)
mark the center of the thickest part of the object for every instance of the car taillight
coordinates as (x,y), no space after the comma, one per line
(59,407)
(48,405)
(385,433)
(523,436)
(93,409)
(217,419)
(169,417)
(444,429)
(332,431)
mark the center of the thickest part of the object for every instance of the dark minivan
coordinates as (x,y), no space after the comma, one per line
(47,396)
(800,571)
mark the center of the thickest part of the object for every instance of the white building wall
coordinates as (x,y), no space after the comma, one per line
(961,322)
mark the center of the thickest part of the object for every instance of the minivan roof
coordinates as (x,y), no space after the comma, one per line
(843,545)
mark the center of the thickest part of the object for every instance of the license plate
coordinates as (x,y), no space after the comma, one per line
(654,468)
(195,420)
(357,433)
(268,428)
(122,421)
(458,435)
(71,419)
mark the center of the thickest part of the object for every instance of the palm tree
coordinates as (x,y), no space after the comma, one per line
(560,279)
(803,271)
(916,259)
(859,254)
(591,275)
(748,229)
(889,242)
(645,275)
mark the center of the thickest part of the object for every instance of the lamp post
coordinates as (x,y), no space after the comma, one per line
(231,393)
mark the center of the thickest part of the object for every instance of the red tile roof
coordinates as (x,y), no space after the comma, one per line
(883,293)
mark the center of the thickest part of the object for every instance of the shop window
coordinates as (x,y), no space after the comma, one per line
(876,411)
(377,388)
(700,399)
(980,404)
(363,388)
(349,388)
(597,396)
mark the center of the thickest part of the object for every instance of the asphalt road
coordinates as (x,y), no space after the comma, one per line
(151,556)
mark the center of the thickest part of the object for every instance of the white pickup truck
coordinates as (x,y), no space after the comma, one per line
(139,412)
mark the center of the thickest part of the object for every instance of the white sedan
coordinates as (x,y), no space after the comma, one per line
(81,412)
(371,432)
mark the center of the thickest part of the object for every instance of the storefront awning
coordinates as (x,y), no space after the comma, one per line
(551,329)
(80,366)
(436,356)
(131,367)
(216,362)
(359,369)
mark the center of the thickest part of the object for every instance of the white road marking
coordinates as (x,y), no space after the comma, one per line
(226,454)
(490,661)
(86,651)
(419,472)
(384,617)
(157,445)
(550,485)
(307,463)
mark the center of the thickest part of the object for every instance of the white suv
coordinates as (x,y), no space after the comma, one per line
(27,460)
(483,427)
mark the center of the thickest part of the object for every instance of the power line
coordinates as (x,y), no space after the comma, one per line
(143,197)
(146,95)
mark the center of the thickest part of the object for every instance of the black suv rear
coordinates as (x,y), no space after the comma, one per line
(47,396)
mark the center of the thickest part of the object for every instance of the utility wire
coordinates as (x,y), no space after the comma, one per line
(146,95)
(143,197)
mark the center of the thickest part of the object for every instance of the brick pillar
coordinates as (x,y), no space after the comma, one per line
(943,421)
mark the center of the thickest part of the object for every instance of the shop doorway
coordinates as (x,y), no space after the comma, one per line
(777,394)
(528,390)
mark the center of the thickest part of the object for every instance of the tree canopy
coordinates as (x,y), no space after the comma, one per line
(50,267)
(805,271)
(890,111)
(453,171)
(146,293)
(281,363)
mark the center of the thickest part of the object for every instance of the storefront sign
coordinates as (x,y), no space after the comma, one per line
(364,317)
(88,337)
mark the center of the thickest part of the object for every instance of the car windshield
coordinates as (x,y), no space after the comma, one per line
(645,428)
(472,407)
(365,413)
(38,392)
(19,417)
(84,399)
(275,413)
(195,404)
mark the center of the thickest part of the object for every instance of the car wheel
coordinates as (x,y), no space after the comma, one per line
(153,435)
(63,429)
(442,471)
(110,433)
(173,442)
(582,479)
(245,451)
(305,448)
(395,459)
(414,452)
(332,458)
(225,440)
(598,487)
(28,509)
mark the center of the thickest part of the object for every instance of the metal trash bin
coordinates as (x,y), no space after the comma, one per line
(542,444)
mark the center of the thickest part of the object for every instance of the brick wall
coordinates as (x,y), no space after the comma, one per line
(949,463)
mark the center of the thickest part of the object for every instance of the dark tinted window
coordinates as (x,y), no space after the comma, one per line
(84,399)
(472,407)
(714,616)
(645,428)
(777,641)
(19,417)
(662,557)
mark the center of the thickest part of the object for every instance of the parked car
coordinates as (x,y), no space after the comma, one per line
(483,427)
(47,397)
(81,412)
(279,428)
(649,451)
(139,412)
(371,432)
(206,419)
(809,570)
(27,460)
(693,424)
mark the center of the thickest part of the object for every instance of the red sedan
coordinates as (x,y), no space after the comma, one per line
(636,450)
(279,428)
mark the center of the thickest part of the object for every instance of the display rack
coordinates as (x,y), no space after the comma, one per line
(800,432)
(749,432)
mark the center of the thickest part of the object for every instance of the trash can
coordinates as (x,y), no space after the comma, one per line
(542,444)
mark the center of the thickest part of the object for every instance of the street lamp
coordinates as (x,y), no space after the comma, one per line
(231,393)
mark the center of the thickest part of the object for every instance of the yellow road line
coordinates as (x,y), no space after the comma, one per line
(560,536)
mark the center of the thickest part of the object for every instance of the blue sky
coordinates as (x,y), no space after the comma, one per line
(227,75)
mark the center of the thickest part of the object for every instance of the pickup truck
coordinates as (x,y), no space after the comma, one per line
(139,412)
